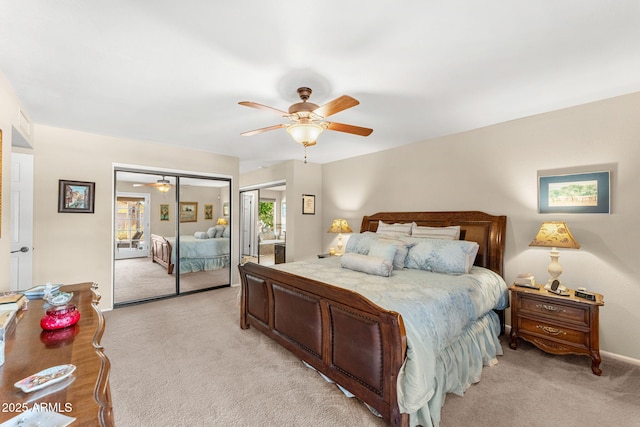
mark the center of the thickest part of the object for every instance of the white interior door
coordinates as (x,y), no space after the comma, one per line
(21,222)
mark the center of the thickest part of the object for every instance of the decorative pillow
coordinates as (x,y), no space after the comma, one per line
(201,235)
(448,233)
(378,266)
(219,230)
(384,249)
(211,232)
(443,256)
(227,232)
(402,249)
(360,243)
(394,230)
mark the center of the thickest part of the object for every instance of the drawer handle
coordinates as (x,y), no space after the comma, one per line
(551,331)
(548,307)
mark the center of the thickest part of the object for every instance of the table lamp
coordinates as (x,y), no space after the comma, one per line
(340,226)
(222,221)
(554,234)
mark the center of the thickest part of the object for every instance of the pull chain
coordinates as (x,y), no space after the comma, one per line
(305,154)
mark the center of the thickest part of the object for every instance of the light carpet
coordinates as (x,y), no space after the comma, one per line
(140,278)
(186,362)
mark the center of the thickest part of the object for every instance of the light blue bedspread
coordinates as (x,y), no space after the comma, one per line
(437,310)
(200,254)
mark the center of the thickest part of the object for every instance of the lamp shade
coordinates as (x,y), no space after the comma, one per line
(305,132)
(555,234)
(222,221)
(340,226)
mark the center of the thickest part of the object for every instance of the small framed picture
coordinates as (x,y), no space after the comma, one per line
(164,212)
(575,193)
(308,204)
(208,212)
(76,196)
(188,211)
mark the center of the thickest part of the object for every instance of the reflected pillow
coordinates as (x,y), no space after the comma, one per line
(201,235)
(375,265)
(442,256)
(227,232)
(211,232)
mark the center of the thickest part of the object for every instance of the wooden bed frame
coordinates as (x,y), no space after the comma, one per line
(328,327)
(161,252)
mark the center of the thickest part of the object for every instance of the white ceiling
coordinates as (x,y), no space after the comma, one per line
(173,72)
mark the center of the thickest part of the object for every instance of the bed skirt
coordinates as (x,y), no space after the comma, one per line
(191,265)
(458,366)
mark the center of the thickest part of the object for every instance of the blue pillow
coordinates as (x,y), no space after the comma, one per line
(367,264)
(442,256)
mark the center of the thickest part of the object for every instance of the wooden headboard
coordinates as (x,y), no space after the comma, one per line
(488,230)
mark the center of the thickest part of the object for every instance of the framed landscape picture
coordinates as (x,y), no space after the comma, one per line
(188,211)
(76,196)
(575,193)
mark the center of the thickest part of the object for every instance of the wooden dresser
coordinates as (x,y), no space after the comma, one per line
(29,349)
(557,324)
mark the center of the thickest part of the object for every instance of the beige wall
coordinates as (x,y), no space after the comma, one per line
(494,169)
(71,248)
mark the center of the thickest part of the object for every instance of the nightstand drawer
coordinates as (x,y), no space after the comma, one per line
(559,311)
(554,331)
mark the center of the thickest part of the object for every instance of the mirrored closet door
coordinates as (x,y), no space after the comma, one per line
(151,209)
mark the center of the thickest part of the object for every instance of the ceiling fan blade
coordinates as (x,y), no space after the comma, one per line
(335,106)
(356,130)
(256,131)
(264,107)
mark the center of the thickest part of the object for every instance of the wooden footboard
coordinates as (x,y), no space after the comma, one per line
(161,252)
(340,333)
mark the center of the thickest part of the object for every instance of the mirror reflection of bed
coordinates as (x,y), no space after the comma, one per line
(152,270)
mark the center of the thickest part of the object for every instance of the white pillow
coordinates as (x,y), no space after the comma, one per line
(448,233)
(201,235)
(394,230)
(211,232)
(378,266)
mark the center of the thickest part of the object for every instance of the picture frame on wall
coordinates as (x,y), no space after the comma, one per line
(208,212)
(188,211)
(308,204)
(76,196)
(164,212)
(588,192)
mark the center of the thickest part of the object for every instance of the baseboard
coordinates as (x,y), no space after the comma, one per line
(603,354)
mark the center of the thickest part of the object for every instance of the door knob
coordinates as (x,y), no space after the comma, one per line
(22,249)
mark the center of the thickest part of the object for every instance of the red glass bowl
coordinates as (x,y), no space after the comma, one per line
(59,317)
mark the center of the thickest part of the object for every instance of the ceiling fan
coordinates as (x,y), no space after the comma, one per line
(163,185)
(307,118)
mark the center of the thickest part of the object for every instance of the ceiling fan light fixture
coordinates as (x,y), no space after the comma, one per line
(305,132)
(163,188)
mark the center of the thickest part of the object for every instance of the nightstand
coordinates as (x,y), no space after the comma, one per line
(556,324)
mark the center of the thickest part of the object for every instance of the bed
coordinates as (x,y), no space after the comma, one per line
(196,254)
(366,349)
